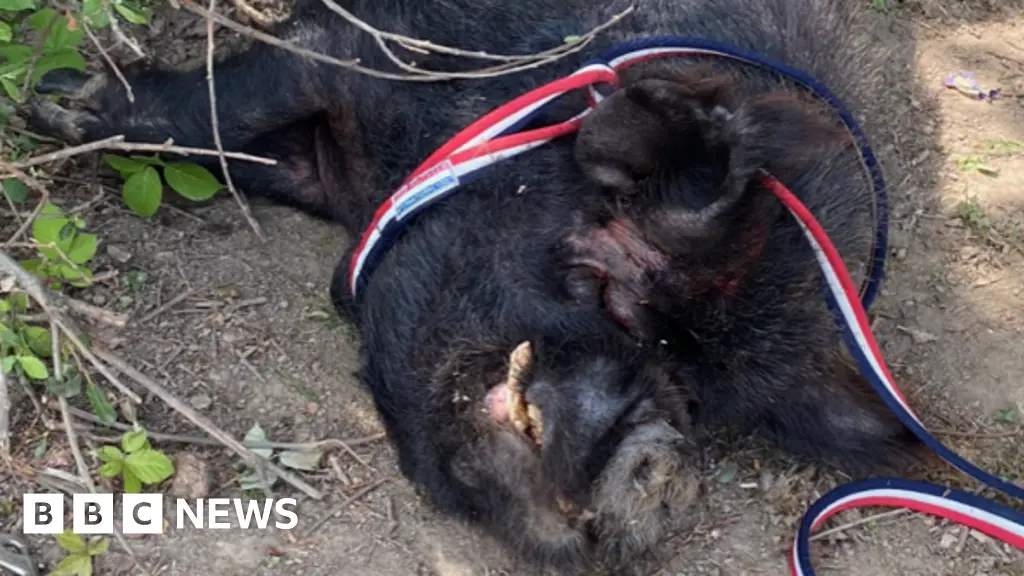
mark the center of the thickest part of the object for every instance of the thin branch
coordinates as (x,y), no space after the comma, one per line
(110,62)
(215,126)
(200,441)
(118,143)
(5,417)
(421,75)
(254,14)
(69,429)
(119,34)
(251,458)
(860,522)
(33,184)
(31,286)
(357,495)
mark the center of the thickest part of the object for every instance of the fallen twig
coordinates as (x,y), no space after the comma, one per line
(96,313)
(200,441)
(251,458)
(166,305)
(110,62)
(34,184)
(254,14)
(5,417)
(533,61)
(357,495)
(867,520)
(76,451)
(119,34)
(215,126)
(118,143)
(31,286)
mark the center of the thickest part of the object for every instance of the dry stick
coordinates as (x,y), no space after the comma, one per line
(33,184)
(118,143)
(381,38)
(826,533)
(253,13)
(215,126)
(119,34)
(96,313)
(69,429)
(167,305)
(31,286)
(300,446)
(117,71)
(353,64)
(5,417)
(203,422)
(359,494)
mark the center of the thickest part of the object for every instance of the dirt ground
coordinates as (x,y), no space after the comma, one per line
(252,342)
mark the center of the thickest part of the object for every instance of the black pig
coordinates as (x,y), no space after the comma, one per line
(607,468)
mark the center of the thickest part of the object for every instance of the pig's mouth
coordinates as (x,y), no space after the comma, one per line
(506,403)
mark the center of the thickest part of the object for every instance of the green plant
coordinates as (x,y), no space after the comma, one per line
(135,461)
(143,187)
(78,562)
(63,249)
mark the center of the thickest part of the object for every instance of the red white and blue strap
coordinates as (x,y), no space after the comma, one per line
(495,137)
(984,515)
(468,152)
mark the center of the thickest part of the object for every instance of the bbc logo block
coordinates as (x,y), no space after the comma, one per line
(93,513)
(144,513)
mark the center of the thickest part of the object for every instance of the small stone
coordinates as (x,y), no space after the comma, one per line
(200,401)
(947,540)
(191,478)
(118,254)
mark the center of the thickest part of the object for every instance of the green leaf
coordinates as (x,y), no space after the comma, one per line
(74,565)
(61,35)
(12,89)
(63,58)
(8,363)
(151,466)
(5,306)
(11,339)
(301,460)
(153,160)
(110,453)
(256,434)
(38,340)
(134,440)
(15,190)
(111,469)
(46,228)
(40,449)
(71,542)
(94,14)
(34,367)
(69,272)
(132,484)
(15,5)
(99,546)
(83,248)
(5,32)
(131,14)
(143,192)
(100,407)
(191,180)
(67,388)
(84,278)
(125,166)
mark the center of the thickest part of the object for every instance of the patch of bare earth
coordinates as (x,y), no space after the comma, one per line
(241,330)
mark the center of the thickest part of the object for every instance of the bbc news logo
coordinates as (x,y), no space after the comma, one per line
(144,513)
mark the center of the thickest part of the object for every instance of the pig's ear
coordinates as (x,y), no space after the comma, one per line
(639,130)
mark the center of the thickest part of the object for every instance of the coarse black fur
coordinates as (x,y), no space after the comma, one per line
(486,269)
